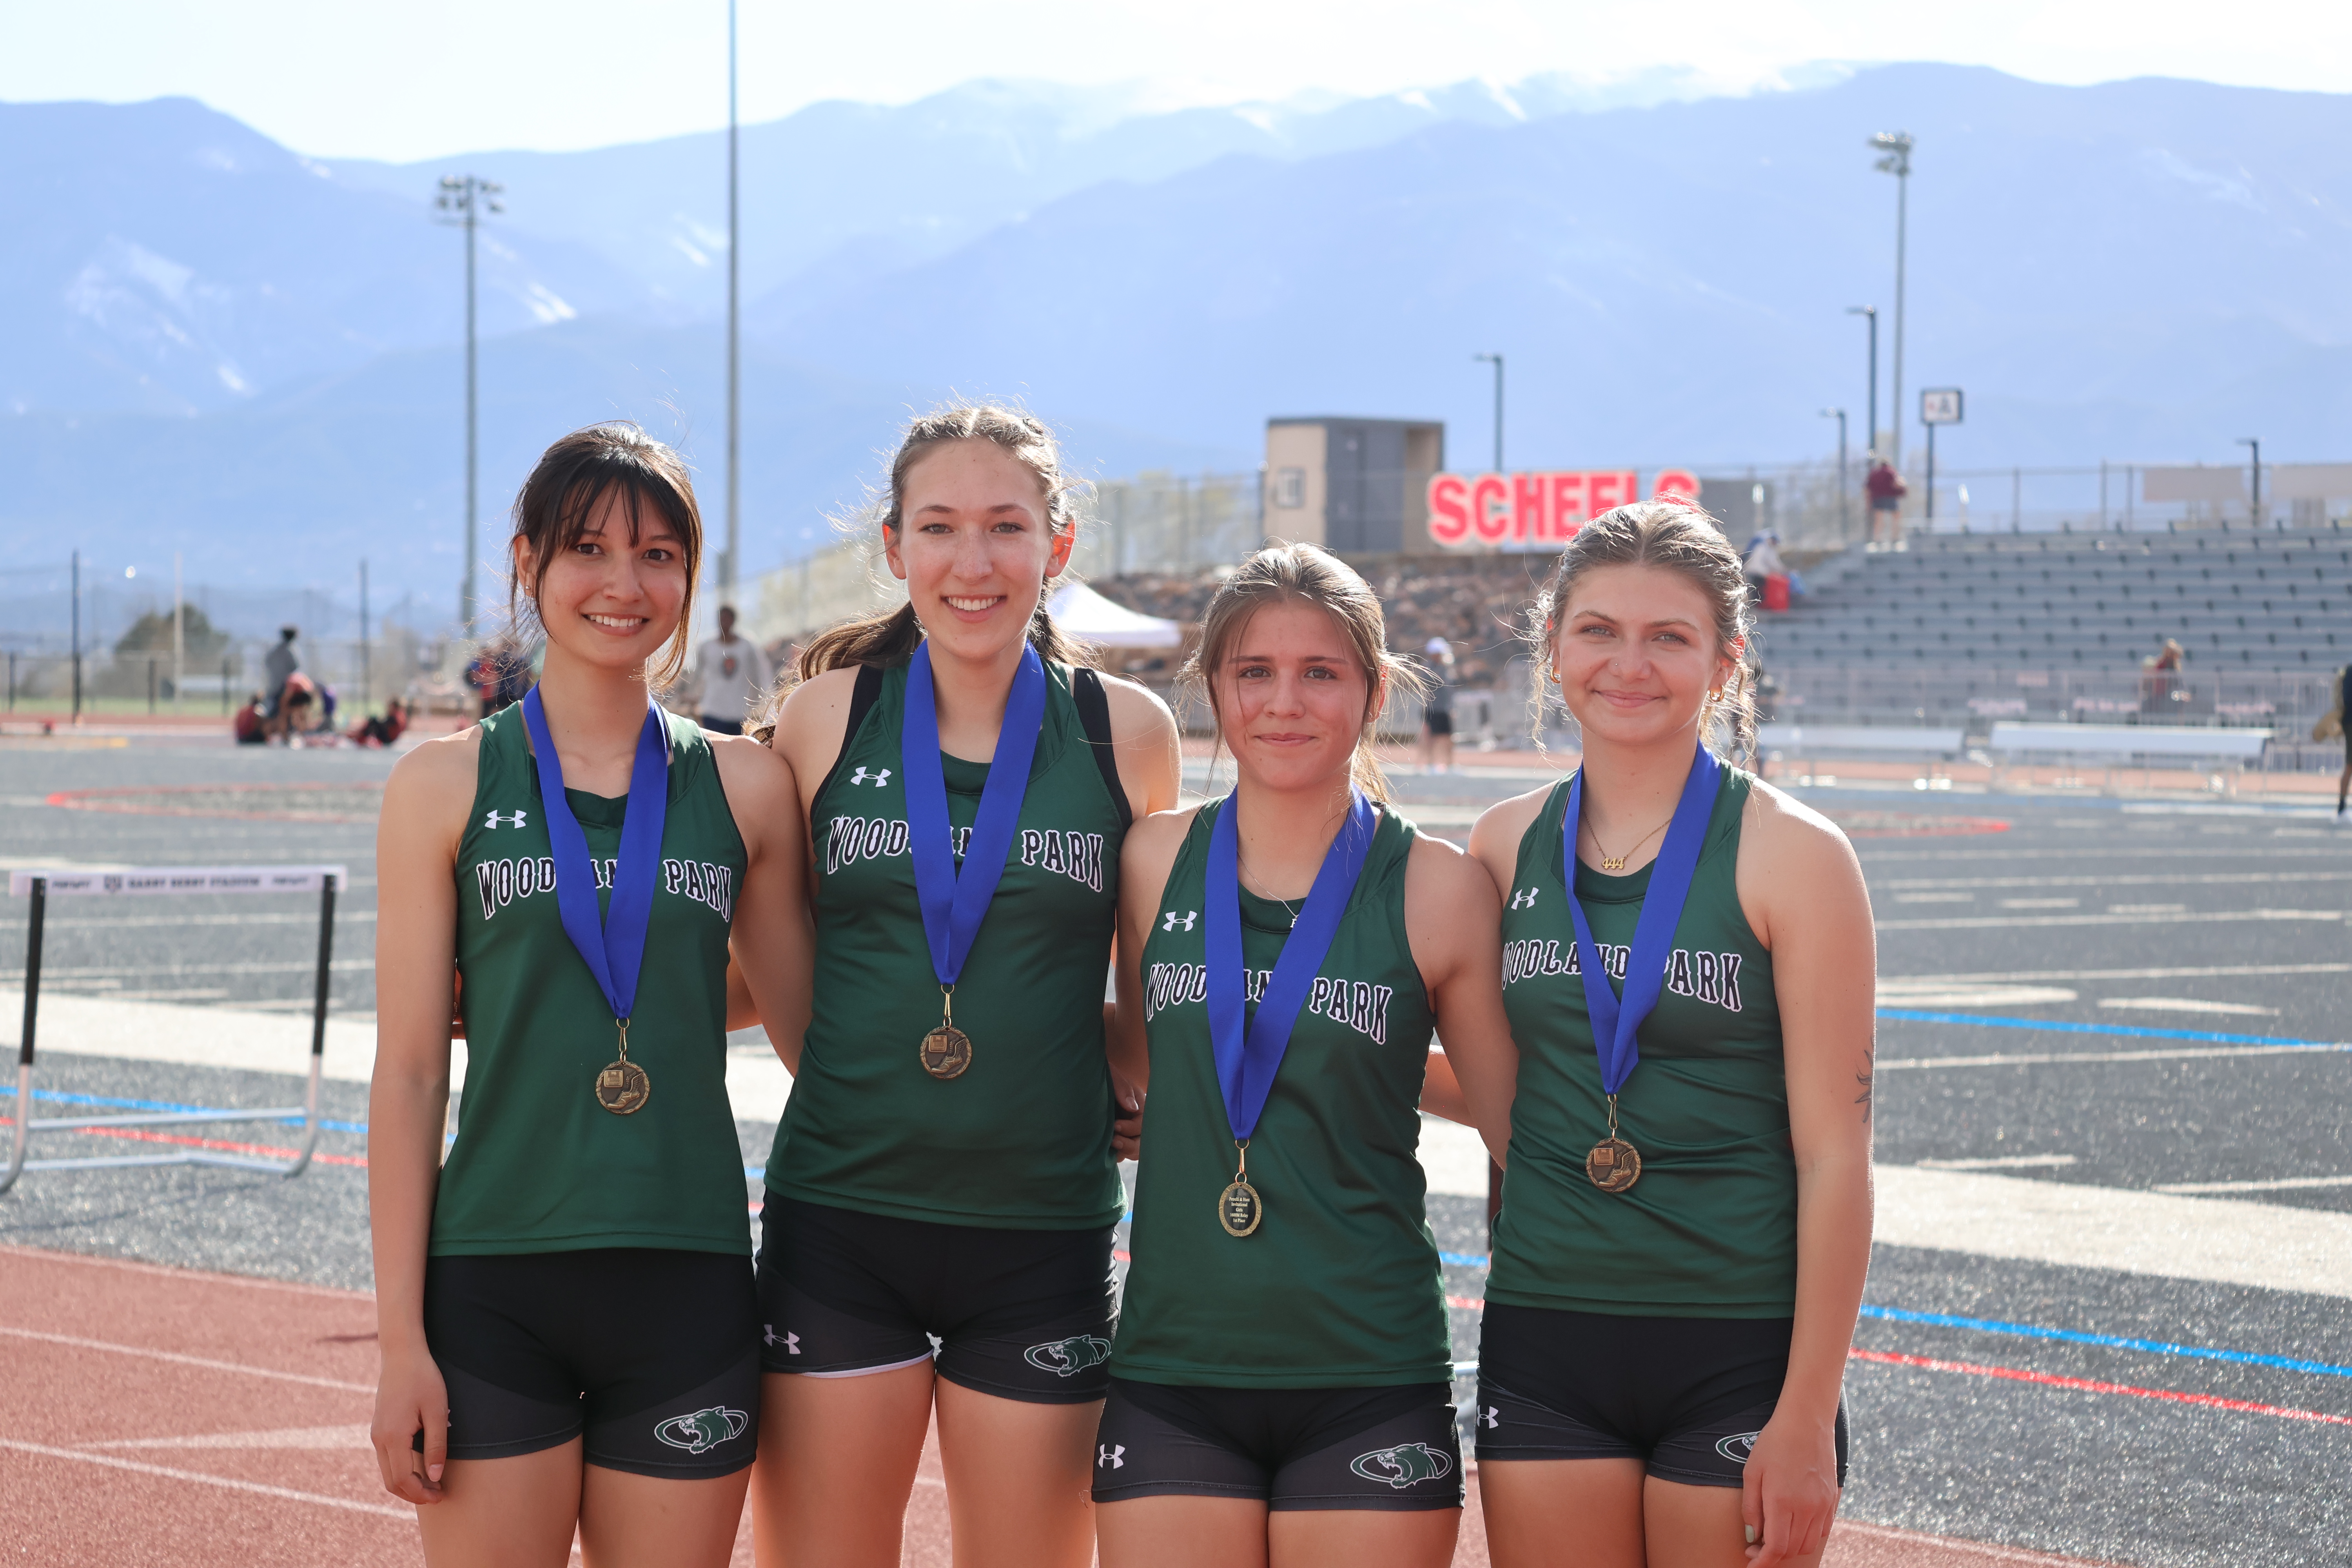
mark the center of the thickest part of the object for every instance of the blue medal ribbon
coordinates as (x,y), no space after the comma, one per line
(612,946)
(1615,1023)
(955,903)
(1248,1060)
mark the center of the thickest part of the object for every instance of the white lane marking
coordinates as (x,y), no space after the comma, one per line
(2001,1163)
(129,1266)
(2188,1005)
(2283,1185)
(2146,908)
(2224,1240)
(2159,1054)
(1945,993)
(2044,904)
(1935,897)
(316,1438)
(2128,879)
(206,1362)
(1949,1546)
(242,1038)
(275,966)
(2200,971)
(2009,923)
(201,1478)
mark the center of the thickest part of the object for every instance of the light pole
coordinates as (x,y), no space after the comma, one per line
(1496,361)
(1839,415)
(2257,445)
(465,197)
(727,563)
(1896,147)
(1870,313)
(76,637)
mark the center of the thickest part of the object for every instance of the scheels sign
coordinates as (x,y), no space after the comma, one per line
(1472,511)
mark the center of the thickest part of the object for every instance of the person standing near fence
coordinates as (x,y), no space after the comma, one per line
(1437,709)
(1280,1387)
(1686,1224)
(569,1330)
(730,674)
(278,666)
(945,1173)
(1886,490)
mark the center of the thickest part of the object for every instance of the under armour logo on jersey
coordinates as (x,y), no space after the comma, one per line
(1489,1417)
(1110,1457)
(1526,901)
(512,819)
(1169,921)
(881,779)
(789,1340)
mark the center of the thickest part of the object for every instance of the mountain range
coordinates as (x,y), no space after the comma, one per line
(212,344)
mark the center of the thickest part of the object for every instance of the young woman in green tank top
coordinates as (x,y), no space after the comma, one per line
(1679,1258)
(568,1326)
(945,1172)
(1280,1382)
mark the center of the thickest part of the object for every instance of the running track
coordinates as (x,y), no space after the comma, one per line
(158,1417)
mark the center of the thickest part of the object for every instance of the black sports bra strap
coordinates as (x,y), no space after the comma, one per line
(861,698)
(1094,717)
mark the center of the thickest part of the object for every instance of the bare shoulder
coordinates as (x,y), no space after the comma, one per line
(1436,869)
(813,723)
(1136,709)
(1792,835)
(444,768)
(1156,838)
(749,771)
(1501,826)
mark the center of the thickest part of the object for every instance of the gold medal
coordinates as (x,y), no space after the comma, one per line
(622,1088)
(1614,1165)
(946,1050)
(1239,1208)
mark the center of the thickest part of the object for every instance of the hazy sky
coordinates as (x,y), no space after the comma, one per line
(423,78)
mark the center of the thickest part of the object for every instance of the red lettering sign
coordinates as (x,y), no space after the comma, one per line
(1538,506)
(1488,496)
(1528,514)
(1449,511)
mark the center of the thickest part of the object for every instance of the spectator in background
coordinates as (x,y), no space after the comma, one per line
(383,731)
(250,725)
(1886,491)
(500,674)
(2160,678)
(276,668)
(1437,710)
(728,672)
(2343,713)
(1761,560)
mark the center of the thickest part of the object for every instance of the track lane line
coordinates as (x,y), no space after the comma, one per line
(206,1362)
(285,1493)
(2092,1385)
(165,1270)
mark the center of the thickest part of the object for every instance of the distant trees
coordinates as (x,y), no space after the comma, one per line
(152,634)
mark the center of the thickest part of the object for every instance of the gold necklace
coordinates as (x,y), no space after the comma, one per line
(1617,862)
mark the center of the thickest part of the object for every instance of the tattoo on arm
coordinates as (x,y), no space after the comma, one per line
(1862,1079)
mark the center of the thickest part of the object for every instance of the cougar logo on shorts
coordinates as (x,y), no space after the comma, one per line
(1405,1465)
(1738,1446)
(1063,1357)
(704,1430)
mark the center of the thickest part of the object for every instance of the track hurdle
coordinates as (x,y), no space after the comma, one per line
(42,885)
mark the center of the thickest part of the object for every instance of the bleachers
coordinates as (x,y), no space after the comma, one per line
(2234,598)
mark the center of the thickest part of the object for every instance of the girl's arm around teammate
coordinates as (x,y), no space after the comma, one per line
(1802,888)
(1454,923)
(771,944)
(424,816)
(1144,863)
(1152,770)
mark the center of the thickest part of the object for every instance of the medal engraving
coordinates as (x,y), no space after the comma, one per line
(1239,1210)
(1613,1166)
(946,1051)
(622,1088)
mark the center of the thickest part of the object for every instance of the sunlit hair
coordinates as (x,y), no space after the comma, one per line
(1306,575)
(562,497)
(1677,536)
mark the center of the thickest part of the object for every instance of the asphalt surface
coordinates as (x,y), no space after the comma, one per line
(2169,907)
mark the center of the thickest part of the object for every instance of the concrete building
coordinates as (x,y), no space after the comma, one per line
(1358,486)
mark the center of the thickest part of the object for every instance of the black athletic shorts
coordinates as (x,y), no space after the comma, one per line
(1685,1395)
(1294,1449)
(1021,1314)
(652,1354)
(1440,721)
(717,726)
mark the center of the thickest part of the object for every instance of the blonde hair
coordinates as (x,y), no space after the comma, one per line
(1683,539)
(1306,574)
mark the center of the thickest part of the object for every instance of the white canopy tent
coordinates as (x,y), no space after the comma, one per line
(1088,617)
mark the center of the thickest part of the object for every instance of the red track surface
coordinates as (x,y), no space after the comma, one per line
(162,1419)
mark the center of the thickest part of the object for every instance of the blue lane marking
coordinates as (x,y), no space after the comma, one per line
(1464,1259)
(2059,1027)
(2154,1347)
(110,1103)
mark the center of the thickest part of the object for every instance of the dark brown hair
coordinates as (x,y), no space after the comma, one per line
(892,636)
(561,498)
(1306,574)
(1681,537)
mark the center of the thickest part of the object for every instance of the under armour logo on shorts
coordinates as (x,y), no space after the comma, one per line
(1111,1455)
(1169,921)
(1526,901)
(512,819)
(1489,1418)
(881,779)
(790,1342)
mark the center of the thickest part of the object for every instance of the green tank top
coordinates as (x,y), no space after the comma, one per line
(1710,1229)
(538,1165)
(1021,1140)
(1338,1287)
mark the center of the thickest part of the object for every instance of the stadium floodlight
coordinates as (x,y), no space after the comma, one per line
(1496,361)
(1894,147)
(1839,415)
(462,201)
(2257,445)
(1871,311)
(727,561)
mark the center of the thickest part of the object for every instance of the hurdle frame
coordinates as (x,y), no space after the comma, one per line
(328,879)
